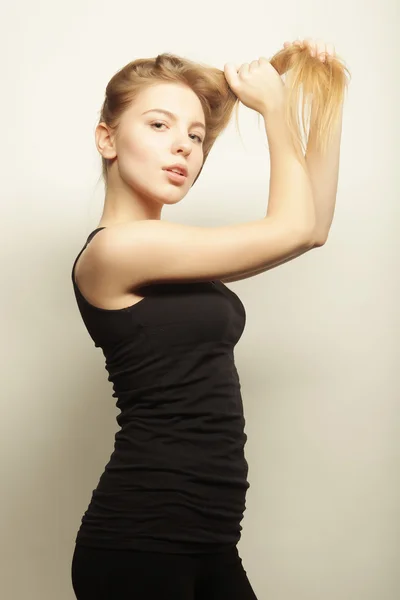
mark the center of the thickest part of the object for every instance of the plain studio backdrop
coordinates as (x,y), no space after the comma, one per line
(319,358)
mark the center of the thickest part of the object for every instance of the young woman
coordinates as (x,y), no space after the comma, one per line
(164,520)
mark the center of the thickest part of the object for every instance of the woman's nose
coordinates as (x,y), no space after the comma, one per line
(183,145)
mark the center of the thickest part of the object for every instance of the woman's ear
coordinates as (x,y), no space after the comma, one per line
(105,141)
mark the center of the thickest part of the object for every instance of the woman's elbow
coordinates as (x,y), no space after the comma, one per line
(320,237)
(320,240)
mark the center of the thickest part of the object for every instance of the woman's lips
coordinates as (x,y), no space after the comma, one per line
(175,177)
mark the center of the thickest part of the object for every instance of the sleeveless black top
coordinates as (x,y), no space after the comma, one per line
(177,479)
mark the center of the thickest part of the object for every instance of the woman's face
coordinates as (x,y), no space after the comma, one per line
(148,141)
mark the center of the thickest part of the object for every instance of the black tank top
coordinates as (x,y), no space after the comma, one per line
(177,479)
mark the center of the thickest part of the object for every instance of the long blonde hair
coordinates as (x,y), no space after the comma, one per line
(325,83)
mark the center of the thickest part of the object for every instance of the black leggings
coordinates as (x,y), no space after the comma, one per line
(102,574)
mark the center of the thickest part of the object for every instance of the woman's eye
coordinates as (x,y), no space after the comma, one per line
(200,141)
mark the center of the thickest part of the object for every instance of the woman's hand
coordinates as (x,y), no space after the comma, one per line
(318,48)
(258,85)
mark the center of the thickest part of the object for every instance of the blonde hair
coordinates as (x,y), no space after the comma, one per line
(324,82)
